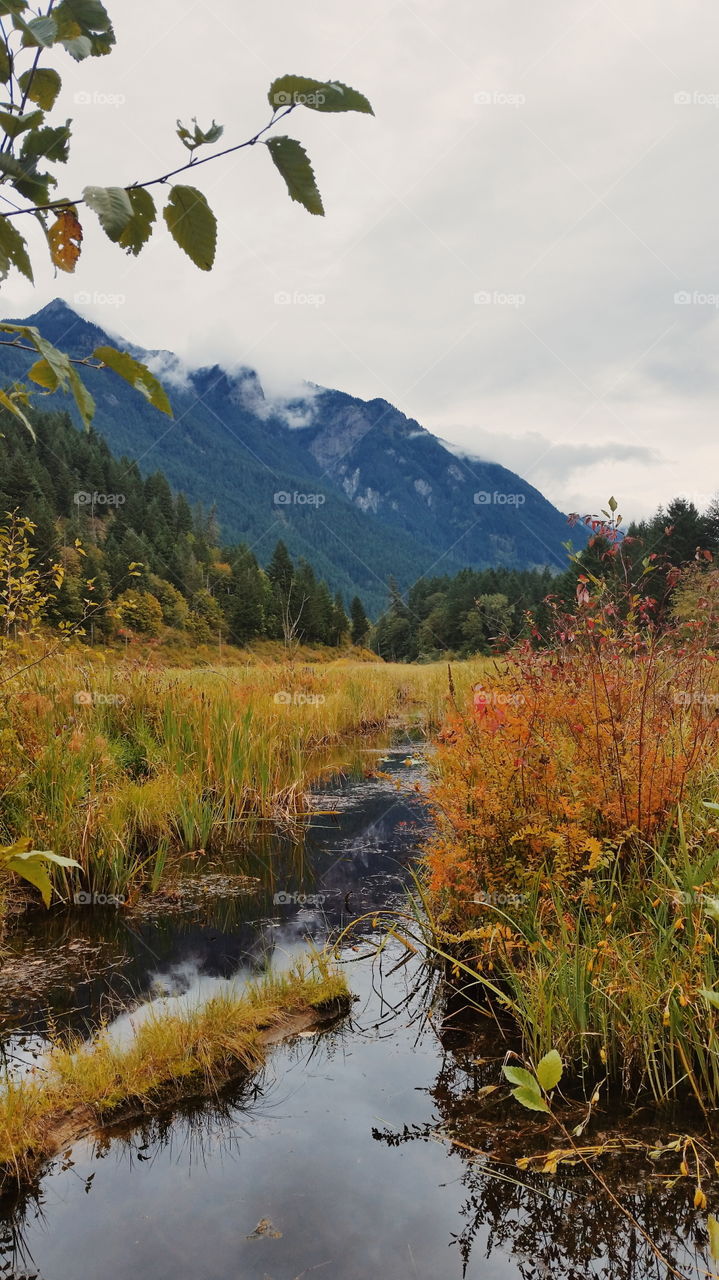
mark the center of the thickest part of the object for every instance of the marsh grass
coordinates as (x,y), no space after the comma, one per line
(165,761)
(169,1057)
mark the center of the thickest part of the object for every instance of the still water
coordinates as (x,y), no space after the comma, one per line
(337,1161)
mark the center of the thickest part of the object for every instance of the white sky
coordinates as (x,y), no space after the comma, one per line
(519,148)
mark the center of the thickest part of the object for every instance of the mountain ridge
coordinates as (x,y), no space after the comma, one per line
(355,486)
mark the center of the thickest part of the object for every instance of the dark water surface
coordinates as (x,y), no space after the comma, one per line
(335,1162)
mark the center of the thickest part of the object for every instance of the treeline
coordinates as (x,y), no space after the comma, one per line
(137,559)
(478,611)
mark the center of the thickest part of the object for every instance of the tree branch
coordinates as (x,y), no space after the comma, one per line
(152,182)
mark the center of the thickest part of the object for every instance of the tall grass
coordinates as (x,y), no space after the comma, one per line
(157,762)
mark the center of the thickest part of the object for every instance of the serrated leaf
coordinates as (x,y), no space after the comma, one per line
(192,225)
(14,125)
(90,15)
(713,1229)
(137,375)
(25,178)
(140,227)
(65,240)
(41,86)
(317,95)
(38,32)
(518,1075)
(291,159)
(113,208)
(13,250)
(549,1070)
(79,47)
(52,143)
(530,1098)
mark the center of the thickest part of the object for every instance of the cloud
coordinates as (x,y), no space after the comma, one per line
(559,155)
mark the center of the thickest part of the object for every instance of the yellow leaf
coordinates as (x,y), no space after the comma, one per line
(65,240)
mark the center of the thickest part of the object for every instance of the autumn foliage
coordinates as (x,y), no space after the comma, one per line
(583,746)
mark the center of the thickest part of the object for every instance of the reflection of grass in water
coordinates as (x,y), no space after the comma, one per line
(188,1053)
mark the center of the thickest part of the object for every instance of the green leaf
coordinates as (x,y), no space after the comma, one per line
(549,1070)
(318,95)
(113,208)
(197,137)
(38,33)
(25,178)
(530,1098)
(517,1075)
(13,250)
(139,228)
(41,86)
(53,143)
(83,399)
(713,1229)
(137,375)
(192,225)
(6,62)
(79,47)
(35,873)
(711,997)
(14,125)
(291,160)
(90,15)
(12,6)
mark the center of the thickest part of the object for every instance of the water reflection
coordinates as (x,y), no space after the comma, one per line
(342,1143)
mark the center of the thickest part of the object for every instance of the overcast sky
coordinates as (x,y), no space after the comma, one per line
(509,245)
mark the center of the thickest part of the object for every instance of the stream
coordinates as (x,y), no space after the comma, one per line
(342,1159)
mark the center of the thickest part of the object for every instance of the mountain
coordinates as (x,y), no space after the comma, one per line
(354,486)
